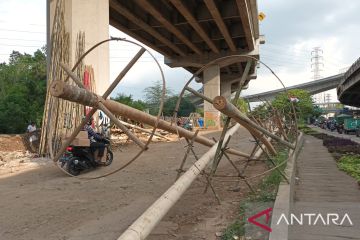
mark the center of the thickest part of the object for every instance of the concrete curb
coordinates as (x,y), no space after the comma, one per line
(285,195)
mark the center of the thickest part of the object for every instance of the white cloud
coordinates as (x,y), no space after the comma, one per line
(292,29)
(22,26)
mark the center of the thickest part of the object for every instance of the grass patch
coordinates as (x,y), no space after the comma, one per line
(305,129)
(345,152)
(238,227)
(267,190)
(308,131)
(351,165)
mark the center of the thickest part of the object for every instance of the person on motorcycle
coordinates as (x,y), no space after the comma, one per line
(96,140)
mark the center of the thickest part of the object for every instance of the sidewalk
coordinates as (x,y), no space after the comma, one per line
(323,188)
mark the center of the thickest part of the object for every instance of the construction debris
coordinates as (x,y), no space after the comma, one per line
(15,156)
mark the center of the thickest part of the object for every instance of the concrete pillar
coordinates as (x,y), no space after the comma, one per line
(91,17)
(211,89)
(225,90)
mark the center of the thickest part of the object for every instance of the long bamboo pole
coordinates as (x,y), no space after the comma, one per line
(75,94)
(143,226)
(221,104)
(117,122)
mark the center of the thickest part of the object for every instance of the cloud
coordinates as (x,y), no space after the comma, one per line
(293,28)
(145,72)
(22,26)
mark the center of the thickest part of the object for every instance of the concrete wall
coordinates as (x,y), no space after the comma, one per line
(91,17)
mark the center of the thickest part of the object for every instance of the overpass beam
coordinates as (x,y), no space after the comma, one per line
(211,77)
(198,61)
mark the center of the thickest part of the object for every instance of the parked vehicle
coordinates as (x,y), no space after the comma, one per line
(332,126)
(185,123)
(79,158)
(351,125)
(188,126)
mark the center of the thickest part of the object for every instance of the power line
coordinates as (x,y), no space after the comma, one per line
(2,21)
(304,52)
(13,30)
(22,39)
(283,61)
(17,45)
(287,57)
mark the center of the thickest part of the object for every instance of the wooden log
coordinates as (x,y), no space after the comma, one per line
(221,104)
(76,94)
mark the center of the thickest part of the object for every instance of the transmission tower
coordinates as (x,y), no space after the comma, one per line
(328,97)
(316,67)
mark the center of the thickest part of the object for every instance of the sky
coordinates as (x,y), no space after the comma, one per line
(291,28)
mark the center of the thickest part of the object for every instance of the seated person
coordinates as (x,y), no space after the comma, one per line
(95,140)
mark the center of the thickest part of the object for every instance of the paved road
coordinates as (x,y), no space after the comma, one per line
(323,188)
(45,204)
(336,134)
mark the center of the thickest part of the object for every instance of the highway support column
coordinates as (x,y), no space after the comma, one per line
(211,77)
(91,17)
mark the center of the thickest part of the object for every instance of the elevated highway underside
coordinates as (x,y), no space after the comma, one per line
(312,87)
(349,89)
(192,33)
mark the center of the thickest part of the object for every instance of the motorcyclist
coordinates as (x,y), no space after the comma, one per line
(96,140)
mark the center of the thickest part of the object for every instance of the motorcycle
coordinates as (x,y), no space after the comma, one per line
(340,128)
(79,158)
(188,126)
(332,127)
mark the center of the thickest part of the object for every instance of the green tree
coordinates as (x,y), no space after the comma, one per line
(317,111)
(303,105)
(128,100)
(242,105)
(22,91)
(153,96)
(261,111)
(186,106)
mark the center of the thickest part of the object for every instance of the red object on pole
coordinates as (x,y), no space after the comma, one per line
(87,85)
(86,80)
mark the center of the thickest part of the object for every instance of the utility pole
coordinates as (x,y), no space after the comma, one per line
(316,66)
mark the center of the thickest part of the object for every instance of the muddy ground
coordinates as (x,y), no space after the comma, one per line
(44,203)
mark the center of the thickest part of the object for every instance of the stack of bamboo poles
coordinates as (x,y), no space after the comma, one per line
(90,85)
(60,117)
(70,114)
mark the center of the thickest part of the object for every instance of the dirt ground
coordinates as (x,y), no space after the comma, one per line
(44,203)
(10,143)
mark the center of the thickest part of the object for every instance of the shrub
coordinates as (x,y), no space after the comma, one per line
(351,165)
